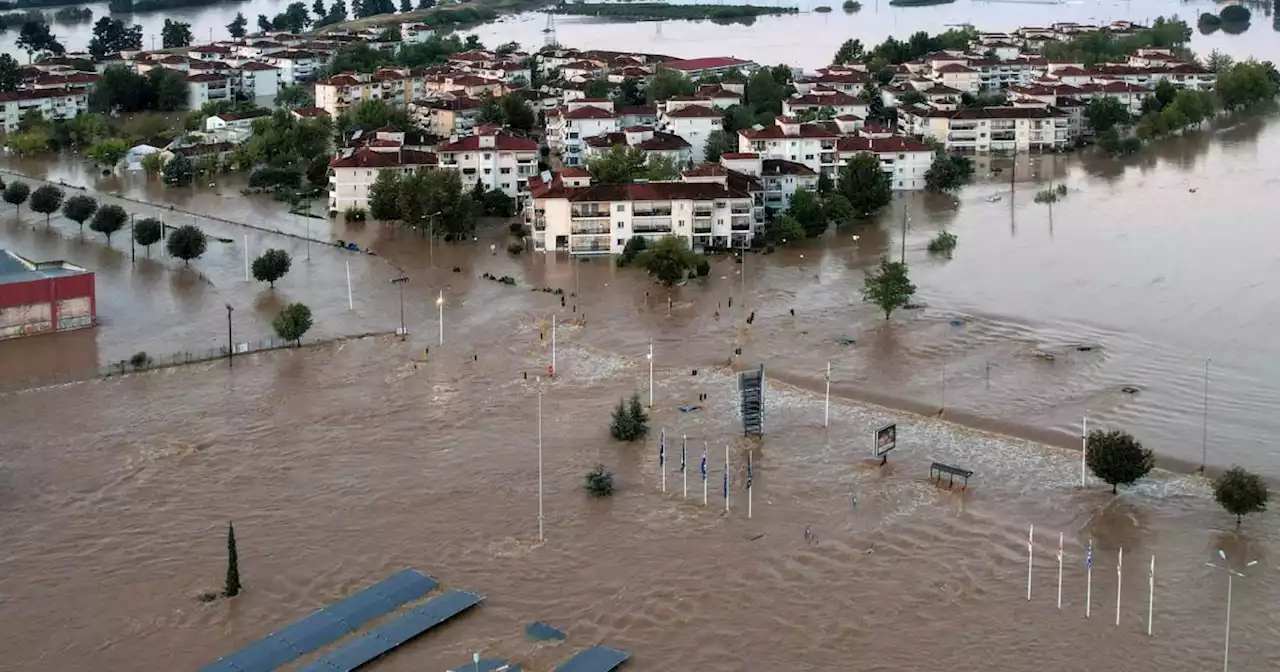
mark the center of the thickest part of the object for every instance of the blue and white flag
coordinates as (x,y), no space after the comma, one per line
(1088,557)
(704,467)
(749,475)
(662,448)
(682,456)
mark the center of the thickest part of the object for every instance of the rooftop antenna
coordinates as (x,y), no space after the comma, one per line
(549,32)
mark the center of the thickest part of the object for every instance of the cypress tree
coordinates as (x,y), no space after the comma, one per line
(232,587)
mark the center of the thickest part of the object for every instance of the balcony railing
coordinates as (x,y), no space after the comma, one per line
(699,228)
(589,213)
(589,244)
(539,224)
(740,209)
(740,223)
(702,212)
(651,225)
(588,229)
(652,212)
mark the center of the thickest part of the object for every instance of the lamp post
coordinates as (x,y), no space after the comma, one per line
(1231,574)
(431,244)
(440,309)
(650,373)
(1204,439)
(231,350)
(399,283)
(540,518)
(906,218)
(133,249)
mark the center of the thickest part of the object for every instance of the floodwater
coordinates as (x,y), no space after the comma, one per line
(343,462)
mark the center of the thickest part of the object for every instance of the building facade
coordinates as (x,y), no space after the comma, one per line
(495,158)
(351,175)
(44,297)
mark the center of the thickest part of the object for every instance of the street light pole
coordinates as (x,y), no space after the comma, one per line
(540,518)
(440,308)
(1204,439)
(905,218)
(133,248)
(399,283)
(651,373)
(231,350)
(1231,574)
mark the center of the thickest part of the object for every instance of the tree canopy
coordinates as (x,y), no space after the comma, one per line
(79,209)
(175,34)
(293,322)
(623,165)
(109,219)
(148,232)
(1240,493)
(1117,458)
(16,193)
(888,286)
(187,242)
(112,36)
(719,142)
(238,28)
(669,260)
(271,266)
(46,200)
(865,184)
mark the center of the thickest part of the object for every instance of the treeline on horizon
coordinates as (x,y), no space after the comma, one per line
(659,10)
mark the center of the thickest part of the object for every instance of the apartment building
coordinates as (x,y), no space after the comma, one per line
(826,146)
(600,219)
(495,158)
(50,103)
(257,80)
(820,99)
(351,174)
(298,65)
(696,68)
(693,119)
(652,143)
(206,88)
(987,129)
(446,115)
(569,126)
(234,121)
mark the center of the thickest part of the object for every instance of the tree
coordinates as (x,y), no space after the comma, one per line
(806,209)
(1235,14)
(187,242)
(635,245)
(79,208)
(596,89)
(294,97)
(888,287)
(152,164)
(168,89)
(765,94)
(669,260)
(231,586)
(16,193)
(911,97)
(865,184)
(630,422)
(718,143)
(1105,113)
(825,184)
(293,322)
(628,93)
(836,209)
(661,167)
(849,52)
(598,482)
(497,203)
(406,6)
(108,219)
(1217,61)
(1116,457)
(10,74)
(784,229)
(1240,493)
(294,18)
(271,266)
(111,36)
(148,232)
(35,36)
(620,165)
(46,200)
(319,9)
(238,27)
(175,34)
(948,172)
(264,24)
(108,152)
(424,193)
(179,172)
(666,83)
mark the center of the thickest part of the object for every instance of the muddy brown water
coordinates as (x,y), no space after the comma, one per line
(343,463)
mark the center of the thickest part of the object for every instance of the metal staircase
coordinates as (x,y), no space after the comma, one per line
(751,388)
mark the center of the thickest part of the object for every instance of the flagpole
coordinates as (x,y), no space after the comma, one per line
(750,486)
(704,474)
(351,304)
(726,478)
(1031,533)
(662,459)
(1119,579)
(540,538)
(1088,586)
(1151,593)
(651,373)
(553,345)
(1059,570)
(1084,448)
(684,470)
(826,406)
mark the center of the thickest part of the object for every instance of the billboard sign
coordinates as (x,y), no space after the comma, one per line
(885,440)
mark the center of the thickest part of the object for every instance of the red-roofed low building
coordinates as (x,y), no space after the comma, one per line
(495,158)
(694,120)
(644,138)
(351,174)
(695,68)
(824,147)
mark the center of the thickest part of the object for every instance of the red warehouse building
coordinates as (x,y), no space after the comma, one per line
(40,297)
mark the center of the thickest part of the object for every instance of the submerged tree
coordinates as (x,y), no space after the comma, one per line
(1240,493)
(46,200)
(1116,457)
(231,586)
(888,287)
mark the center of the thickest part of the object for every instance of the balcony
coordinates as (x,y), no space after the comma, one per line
(539,223)
(651,225)
(701,228)
(448,162)
(738,209)
(740,223)
(589,213)
(587,229)
(652,211)
(699,211)
(589,244)
(963,136)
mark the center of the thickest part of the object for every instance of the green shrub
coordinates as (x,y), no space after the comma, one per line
(599,482)
(630,422)
(944,242)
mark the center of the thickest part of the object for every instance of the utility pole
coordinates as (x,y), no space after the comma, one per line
(231,349)
(1204,439)
(133,248)
(399,283)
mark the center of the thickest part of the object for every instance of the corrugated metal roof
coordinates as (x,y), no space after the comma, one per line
(596,659)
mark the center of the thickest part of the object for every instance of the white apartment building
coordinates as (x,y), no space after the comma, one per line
(989,129)
(569,126)
(600,219)
(50,103)
(652,143)
(415,33)
(207,87)
(695,68)
(694,120)
(824,147)
(837,102)
(297,65)
(351,175)
(905,160)
(258,80)
(495,158)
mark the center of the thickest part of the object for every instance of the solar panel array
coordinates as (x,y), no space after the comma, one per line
(596,659)
(327,625)
(384,638)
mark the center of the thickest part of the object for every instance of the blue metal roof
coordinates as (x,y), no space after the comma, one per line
(327,625)
(596,659)
(384,638)
(16,268)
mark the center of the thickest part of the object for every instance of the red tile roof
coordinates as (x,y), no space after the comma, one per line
(784,167)
(344,79)
(502,142)
(739,155)
(694,64)
(37,94)
(660,142)
(254,65)
(650,191)
(368,158)
(206,78)
(589,112)
(694,112)
(310,112)
(249,114)
(637,110)
(952,68)
(894,144)
(776,133)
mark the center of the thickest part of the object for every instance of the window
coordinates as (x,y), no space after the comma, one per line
(621,208)
(621,242)
(367,173)
(488,170)
(504,171)
(486,156)
(619,226)
(506,185)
